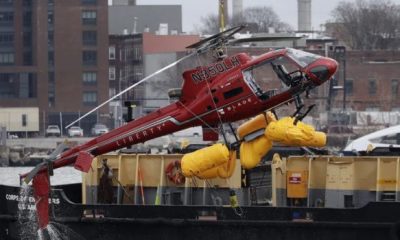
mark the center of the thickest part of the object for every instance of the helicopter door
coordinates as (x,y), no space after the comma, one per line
(271,77)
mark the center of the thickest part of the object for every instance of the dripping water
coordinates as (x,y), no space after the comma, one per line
(28,223)
(27,217)
(57,231)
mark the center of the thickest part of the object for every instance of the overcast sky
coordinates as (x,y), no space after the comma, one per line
(193,10)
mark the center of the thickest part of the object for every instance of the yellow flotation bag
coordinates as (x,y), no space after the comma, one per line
(251,152)
(259,122)
(224,171)
(195,163)
(254,124)
(285,132)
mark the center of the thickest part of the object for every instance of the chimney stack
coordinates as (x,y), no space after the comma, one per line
(304,15)
(237,8)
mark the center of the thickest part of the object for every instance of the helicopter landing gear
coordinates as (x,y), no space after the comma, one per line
(298,115)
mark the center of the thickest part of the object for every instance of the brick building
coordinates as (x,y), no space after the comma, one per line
(135,56)
(53,55)
(372,81)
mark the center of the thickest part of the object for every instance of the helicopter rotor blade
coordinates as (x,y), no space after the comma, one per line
(132,86)
(225,35)
(262,39)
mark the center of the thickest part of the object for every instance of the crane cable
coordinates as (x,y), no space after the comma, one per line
(215,106)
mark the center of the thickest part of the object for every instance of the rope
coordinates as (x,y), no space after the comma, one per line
(199,118)
(119,183)
(215,106)
(123,189)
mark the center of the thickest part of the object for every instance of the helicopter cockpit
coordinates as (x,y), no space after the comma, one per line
(279,73)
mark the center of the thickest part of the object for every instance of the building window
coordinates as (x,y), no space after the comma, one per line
(89,38)
(17,85)
(111,73)
(27,19)
(89,78)
(111,52)
(6,2)
(90,98)
(138,72)
(24,119)
(27,3)
(112,92)
(24,88)
(28,61)
(395,87)
(50,38)
(89,17)
(27,38)
(372,87)
(349,87)
(89,2)
(6,58)
(89,58)
(50,58)
(6,39)
(50,17)
(6,18)
(51,89)
(52,77)
(137,54)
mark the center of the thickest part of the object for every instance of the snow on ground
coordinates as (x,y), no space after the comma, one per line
(67,175)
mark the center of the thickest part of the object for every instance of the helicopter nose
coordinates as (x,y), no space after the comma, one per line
(322,70)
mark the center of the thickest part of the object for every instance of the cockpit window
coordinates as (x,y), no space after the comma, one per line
(272,76)
(302,58)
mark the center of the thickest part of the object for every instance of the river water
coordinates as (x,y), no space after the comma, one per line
(67,175)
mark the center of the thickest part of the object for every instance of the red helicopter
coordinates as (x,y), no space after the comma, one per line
(230,89)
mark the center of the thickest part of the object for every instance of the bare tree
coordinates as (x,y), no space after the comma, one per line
(210,24)
(368,24)
(259,19)
(264,18)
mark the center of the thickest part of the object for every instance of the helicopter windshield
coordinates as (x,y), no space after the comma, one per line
(300,57)
(272,76)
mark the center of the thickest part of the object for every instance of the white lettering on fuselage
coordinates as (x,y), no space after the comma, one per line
(233,106)
(140,136)
(148,133)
